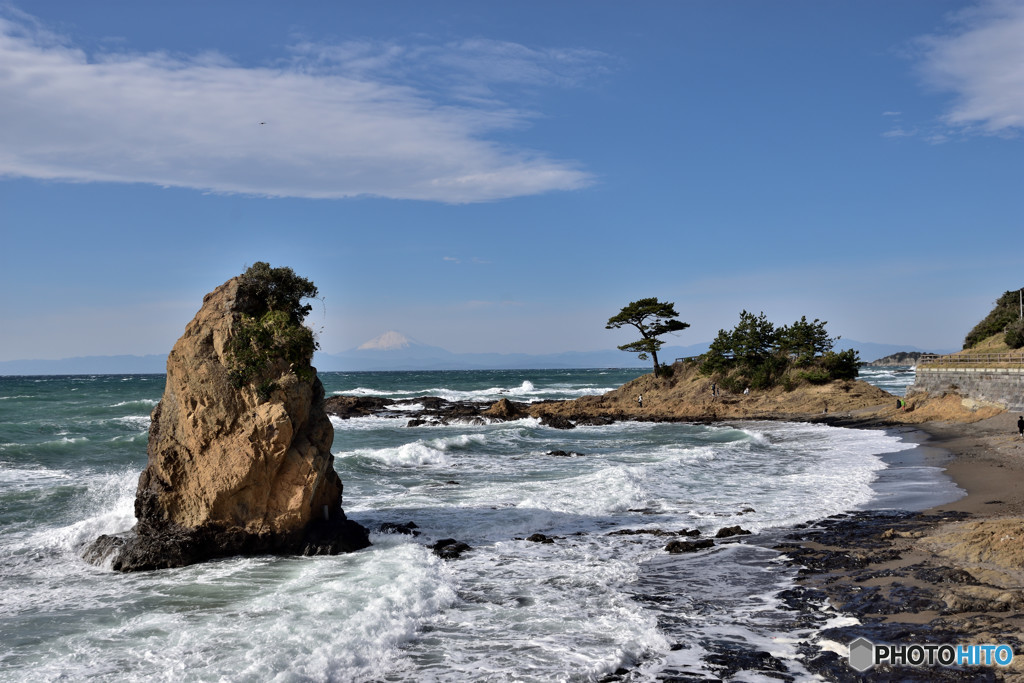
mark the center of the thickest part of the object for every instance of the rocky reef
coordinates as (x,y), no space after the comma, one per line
(239,459)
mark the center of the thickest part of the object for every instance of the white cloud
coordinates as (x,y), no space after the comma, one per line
(982,61)
(328,124)
(897,133)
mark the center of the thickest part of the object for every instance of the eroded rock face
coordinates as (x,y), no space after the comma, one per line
(233,470)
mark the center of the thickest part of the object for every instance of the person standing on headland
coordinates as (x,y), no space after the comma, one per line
(640,400)
(1020,425)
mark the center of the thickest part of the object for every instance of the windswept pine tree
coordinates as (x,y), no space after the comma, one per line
(652,319)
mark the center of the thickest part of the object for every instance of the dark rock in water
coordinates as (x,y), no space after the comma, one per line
(634,532)
(167,546)
(729,658)
(347,407)
(689,532)
(417,422)
(556,422)
(876,600)
(409,528)
(540,538)
(432,403)
(726,532)
(677,547)
(449,548)
(566,454)
(595,421)
(944,575)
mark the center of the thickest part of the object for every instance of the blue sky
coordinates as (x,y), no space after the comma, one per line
(505,176)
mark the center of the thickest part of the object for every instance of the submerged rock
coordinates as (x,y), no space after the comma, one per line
(239,445)
(678,547)
(539,538)
(449,548)
(408,528)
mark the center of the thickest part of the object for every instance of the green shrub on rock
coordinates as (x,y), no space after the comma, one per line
(269,327)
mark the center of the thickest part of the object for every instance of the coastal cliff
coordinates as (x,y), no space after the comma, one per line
(234,467)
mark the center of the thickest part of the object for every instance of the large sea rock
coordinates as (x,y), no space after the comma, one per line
(233,470)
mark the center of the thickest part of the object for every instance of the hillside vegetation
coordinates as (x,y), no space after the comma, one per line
(1004,319)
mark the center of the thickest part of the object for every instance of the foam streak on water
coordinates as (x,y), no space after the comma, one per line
(510,609)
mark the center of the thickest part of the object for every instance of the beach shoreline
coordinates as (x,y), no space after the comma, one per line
(949,573)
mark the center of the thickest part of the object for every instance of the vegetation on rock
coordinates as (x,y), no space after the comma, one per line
(1004,318)
(269,327)
(759,355)
(652,318)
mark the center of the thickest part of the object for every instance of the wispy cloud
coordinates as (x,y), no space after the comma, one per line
(981,61)
(331,122)
(898,133)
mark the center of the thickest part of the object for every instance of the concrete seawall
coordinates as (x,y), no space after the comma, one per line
(996,385)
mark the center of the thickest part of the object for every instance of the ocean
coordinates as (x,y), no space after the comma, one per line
(580,608)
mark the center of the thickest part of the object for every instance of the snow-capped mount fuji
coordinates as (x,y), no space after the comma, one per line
(389,341)
(391,350)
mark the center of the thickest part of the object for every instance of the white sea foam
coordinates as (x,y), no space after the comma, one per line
(136,402)
(368,423)
(19,478)
(137,421)
(405,407)
(432,452)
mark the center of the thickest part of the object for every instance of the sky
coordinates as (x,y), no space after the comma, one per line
(504,177)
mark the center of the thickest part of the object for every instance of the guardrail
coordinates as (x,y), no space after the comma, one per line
(1005,358)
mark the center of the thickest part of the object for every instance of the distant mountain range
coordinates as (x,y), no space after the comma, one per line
(395,351)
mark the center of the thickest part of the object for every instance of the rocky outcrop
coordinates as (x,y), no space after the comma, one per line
(235,467)
(505,409)
(895,359)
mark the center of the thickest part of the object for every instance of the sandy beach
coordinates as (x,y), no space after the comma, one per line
(950,574)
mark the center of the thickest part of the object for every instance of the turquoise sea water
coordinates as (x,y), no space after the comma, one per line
(71,449)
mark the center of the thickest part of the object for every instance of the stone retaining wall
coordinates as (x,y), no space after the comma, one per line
(997,385)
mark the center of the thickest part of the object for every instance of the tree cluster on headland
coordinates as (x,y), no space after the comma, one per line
(756,354)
